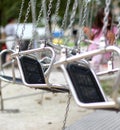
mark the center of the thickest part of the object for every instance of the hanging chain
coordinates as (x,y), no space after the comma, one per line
(91,14)
(20,15)
(56,13)
(33,6)
(67,110)
(87,16)
(36,24)
(105,20)
(18,22)
(65,15)
(82,24)
(47,30)
(81,12)
(84,13)
(118,31)
(72,18)
(40,13)
(25,20)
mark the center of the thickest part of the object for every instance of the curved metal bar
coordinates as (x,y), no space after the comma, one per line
(46,73)
(87,54)
(108,104)
(38,50)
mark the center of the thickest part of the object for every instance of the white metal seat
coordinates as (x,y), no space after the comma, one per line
(84,84)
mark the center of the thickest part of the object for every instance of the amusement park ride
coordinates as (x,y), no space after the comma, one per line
(83,82)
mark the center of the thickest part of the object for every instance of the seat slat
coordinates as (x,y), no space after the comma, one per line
(9,78)
(84,83)
(32,70)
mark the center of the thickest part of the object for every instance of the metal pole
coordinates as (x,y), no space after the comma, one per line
(45,13)
(33,8)
(1,96)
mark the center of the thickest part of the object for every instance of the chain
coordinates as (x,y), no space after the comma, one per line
(25,20)
(33,9)
(40,13)
(20,15)
(47,30)
(81,5)
(87,15)
(118,31)
(91,9)
(67,110)
(65,15)
(105,20)
(91,14)
(18,21)
(85,5)
(72,18)
(36,24)
(56,13)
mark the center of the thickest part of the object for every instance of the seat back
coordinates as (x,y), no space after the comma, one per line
(85,84)
(32,70)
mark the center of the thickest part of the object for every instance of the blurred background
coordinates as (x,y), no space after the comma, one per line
(11,8)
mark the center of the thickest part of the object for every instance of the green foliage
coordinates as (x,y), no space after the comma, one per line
(10,8)
(118,41)
(119,4)
(107,86)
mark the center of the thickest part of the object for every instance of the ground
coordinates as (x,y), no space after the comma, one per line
(33,109)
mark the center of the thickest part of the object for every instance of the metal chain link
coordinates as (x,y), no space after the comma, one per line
(25,20)
(66,14)
(91,14)
(33,10)
(47,30)
(72,18)
(20,15)
(105,20)
(81,12)
(36,24)
(118,31)
(56,13)
(67,110)
(65,17)
(84,13)
(18,22)
(88,14)
(40,13)
(85,5)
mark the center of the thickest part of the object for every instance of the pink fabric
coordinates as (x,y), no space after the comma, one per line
(98,59)
(98,36)
(92,47)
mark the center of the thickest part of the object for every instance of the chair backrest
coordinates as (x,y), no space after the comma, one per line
(85,84)
(32,70)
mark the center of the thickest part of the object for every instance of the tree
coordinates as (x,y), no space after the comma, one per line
(10,8)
